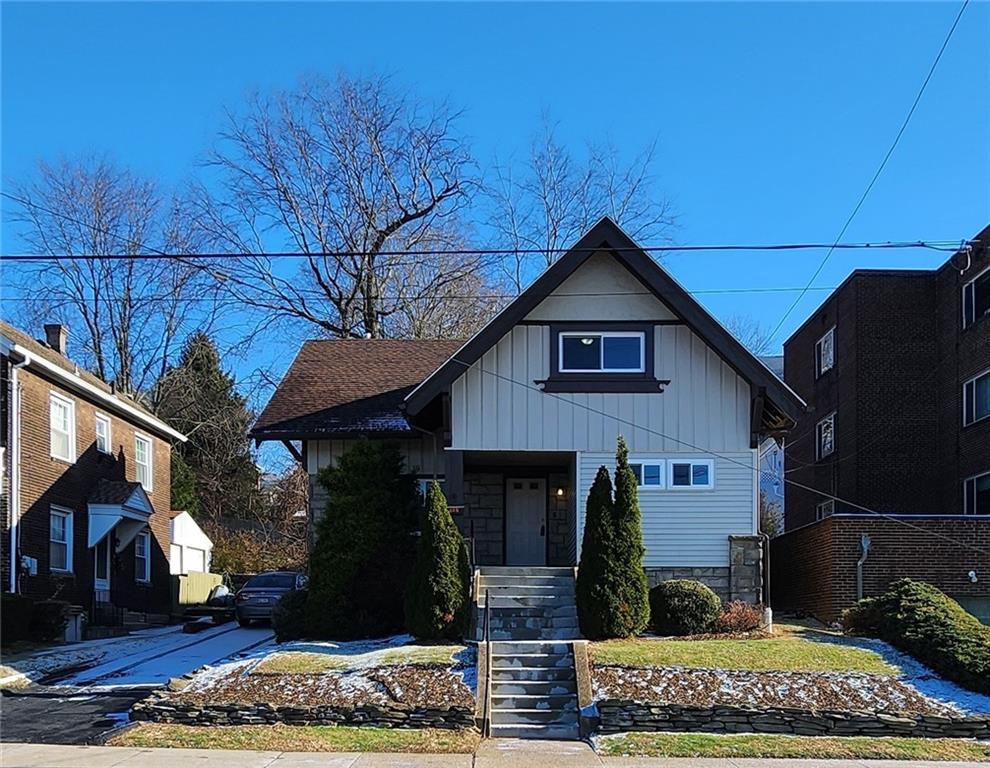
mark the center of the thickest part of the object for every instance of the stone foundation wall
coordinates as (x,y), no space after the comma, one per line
(620,715)
(560,519)
(717,579)
(394,716)
(746,568)
(484,494)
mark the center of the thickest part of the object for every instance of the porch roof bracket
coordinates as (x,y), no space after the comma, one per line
(756,422)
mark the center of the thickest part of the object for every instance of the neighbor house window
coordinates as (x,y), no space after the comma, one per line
(976,398)
(825,353)
(60,539)
(602,352)
(62,413)
(976,298)
(649,474)
(825,436)
(195,560)
(103,433)
(977,493)
(825,509)
(143,461)
(142,557)
(692,474)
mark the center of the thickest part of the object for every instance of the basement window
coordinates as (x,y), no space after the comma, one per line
(977,493)
(602,352)
(976,298)
(976,398)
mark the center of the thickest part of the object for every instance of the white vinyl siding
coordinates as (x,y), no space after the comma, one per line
(103,434)
(142,557)
(60,540)
(690,527)
(62,424)
(144,461)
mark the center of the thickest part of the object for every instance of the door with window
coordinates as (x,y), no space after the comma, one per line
(525,521)
(101,568)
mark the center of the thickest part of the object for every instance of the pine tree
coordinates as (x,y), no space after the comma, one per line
(593,570)
(437,602)
(630,589)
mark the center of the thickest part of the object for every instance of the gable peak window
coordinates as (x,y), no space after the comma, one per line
(825,352)
(976,399)
(976,298)
(602,352)
(825,436)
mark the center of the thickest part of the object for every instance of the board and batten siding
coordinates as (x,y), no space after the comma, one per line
(495,404)
(419,455)
(686,528)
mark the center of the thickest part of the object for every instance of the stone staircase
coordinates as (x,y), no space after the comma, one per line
(533,686)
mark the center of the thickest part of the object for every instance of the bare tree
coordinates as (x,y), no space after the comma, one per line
(549,200)
(750,332)
(128,314)
(343,166)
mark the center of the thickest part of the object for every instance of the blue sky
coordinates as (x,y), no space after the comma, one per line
(771,117)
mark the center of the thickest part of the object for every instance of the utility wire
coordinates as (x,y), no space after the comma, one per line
(876,176)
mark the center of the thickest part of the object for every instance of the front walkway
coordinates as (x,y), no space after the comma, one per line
(506,753)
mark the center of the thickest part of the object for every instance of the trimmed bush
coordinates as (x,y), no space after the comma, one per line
(592,577)
(289,616)
(683,607)
(924,622)
(15,614)
(630,590)
(438,602)
(49,619)
(739,616)
(364,547)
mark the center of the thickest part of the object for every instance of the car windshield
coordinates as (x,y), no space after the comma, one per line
(272,581)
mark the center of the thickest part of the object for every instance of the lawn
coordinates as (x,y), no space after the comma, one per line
(791,747)
(298,738)
(315,662)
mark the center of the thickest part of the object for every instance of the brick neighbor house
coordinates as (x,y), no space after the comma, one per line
(85,483)
(895,368)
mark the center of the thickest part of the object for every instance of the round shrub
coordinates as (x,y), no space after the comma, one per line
(289,616)
(683,607)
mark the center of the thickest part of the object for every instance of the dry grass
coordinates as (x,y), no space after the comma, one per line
(298,738)
(311,662)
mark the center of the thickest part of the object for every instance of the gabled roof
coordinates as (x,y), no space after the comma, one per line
(782,406)
(339,387)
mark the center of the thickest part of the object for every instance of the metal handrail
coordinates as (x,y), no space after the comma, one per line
(486,730)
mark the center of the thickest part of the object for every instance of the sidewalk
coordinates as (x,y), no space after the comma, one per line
(492,754)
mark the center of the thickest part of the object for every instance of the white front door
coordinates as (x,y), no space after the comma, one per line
(101,565)
(525,521)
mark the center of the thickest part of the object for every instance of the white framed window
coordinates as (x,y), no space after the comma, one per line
(62,424)
(144,461)
(976,398)
(142,556)
(602,352)
(825,352)
(60,539)
(195,560)
(825,509)
(976,493)
(650,474)
(423,483)
(103,436)
(976,298)
(698,474)
(825,436)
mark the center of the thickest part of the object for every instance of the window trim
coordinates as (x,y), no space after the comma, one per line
(710,463)
(818,437)
(659,463)
(102,418)
(820,370)
(150,463)
(54,510)
(971,284)
(54,397)
(146,537)
(819,515)
(967,383)
(971,479)
(638,334)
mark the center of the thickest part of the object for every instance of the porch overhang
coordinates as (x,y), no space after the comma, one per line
(117,506)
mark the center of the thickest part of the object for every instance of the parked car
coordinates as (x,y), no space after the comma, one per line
(258,596)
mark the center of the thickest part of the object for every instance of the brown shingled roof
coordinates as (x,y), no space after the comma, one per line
(340,386)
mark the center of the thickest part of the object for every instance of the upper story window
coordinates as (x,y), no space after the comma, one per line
(649,474)
(698,474)
(103,443)
(142,559)
(602,352)
(825,352)
(62,413)
(143,461)
(977,495)
(976,298)
(976,398)
(825,436)
(60,539)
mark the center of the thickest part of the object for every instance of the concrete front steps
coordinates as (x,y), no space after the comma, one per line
(527,603)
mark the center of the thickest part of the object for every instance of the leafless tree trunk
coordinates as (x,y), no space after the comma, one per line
(127,315)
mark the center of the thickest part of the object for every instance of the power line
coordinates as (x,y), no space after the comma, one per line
(876,176)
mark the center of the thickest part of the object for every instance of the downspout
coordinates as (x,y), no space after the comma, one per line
(14,457)
(864,545)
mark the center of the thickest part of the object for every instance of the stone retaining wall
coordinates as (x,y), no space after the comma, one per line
(622,715)
(392,716)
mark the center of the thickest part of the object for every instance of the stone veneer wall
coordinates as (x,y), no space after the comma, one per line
(484,503)
(622,715)
(715,578)
(560,518)
(741,580)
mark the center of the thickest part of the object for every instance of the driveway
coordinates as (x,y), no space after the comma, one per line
(78,707)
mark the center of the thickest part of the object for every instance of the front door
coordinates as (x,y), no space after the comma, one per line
(525,521)
(101,566)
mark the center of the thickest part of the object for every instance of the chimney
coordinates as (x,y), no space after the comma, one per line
(56,335)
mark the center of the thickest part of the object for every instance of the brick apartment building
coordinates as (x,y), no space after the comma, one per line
(895,368)
(84,497)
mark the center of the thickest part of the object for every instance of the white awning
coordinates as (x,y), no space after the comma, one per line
(126,520)
(101,523)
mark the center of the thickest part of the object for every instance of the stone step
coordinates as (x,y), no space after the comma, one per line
(536,581)
(568,611)
(572,633)
(534,622)
(528,601)
(562,702)
(532,660)
(533,687)
(534,716)
(523,590)
(533,674)
(510,648)
(525,570)
(557,731)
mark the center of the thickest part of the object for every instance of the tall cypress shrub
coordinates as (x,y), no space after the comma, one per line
(593,570)
(437,602)
(630,590)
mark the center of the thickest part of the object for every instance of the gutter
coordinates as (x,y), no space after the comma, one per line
(14,457)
